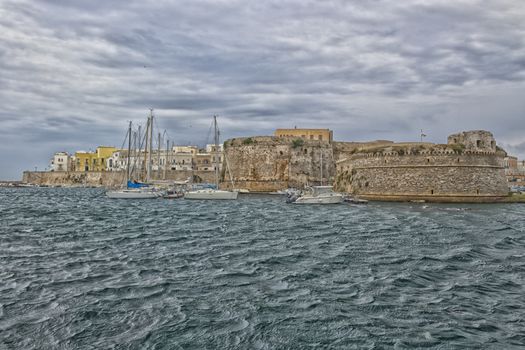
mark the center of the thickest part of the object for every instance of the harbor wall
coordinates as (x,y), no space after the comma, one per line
(105,178)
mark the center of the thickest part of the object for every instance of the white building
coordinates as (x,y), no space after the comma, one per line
(210,148)
(177,158)
(61,161)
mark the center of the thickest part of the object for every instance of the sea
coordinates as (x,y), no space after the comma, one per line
(81,271)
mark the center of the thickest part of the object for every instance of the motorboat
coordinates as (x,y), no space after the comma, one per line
(319,195)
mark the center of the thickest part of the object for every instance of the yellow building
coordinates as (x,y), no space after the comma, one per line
(93,161)
(306,134)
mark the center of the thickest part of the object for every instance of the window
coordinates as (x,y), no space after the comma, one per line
(478,143)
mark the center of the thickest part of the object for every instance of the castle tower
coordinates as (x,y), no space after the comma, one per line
(474,140)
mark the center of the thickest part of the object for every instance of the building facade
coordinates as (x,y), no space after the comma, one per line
(325,135)
(93,161)
(61,161)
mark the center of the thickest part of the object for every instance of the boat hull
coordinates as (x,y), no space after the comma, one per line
(130,194)
(334,199)
(211,194)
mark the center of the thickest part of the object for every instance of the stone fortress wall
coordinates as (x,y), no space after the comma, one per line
(104,178)
(266,164)
(469,168)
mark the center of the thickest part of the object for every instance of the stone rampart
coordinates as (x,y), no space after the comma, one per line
(104,178)
(433,174)
(265,164)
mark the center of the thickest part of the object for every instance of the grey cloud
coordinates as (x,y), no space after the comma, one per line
(73,73)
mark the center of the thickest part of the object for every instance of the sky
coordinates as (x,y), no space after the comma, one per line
(74,73)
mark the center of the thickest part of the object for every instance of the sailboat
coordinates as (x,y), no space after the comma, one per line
(134,189)
(319,194)
(213,193)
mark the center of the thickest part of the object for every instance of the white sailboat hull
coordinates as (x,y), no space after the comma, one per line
(210,194)
(332,199)
(132,194)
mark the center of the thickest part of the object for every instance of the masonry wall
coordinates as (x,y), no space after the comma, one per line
(265,164)
(104,178)
(432,176)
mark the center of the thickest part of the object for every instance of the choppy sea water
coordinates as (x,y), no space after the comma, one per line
(80,271)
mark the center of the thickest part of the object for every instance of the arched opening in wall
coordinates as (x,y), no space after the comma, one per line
(458,160)
(305,151)
(477,191)
(478,143)
(281,153)
(431,191)
(428,160)
(455,140)
(385,160)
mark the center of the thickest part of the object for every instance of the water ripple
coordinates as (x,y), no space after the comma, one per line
(81,271)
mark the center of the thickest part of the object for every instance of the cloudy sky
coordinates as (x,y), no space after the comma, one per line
(73,73)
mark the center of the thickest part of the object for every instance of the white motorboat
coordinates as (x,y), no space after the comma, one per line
(210,194)
(320,195)
(134,193)
(213,193)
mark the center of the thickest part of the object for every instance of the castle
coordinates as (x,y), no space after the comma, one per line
(469,168)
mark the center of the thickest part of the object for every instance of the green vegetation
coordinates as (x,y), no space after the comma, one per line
(225,144)
(248,141)
(457,147)
(297,143)
(417,149)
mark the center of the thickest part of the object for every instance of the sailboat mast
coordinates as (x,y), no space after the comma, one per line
(150,143)
(321,167)
(145,168)
(216,136)
(129,154)
(158,157)
(166,162)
